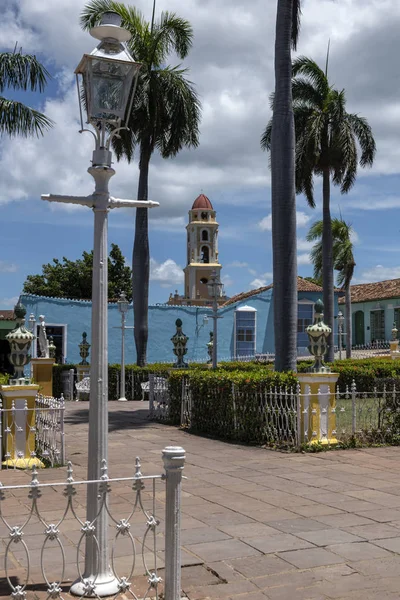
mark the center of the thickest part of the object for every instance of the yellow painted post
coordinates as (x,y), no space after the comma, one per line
(83,371)
(19,426)
(318,407)
(42,369)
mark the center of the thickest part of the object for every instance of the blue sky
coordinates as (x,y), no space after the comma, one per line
(231,64)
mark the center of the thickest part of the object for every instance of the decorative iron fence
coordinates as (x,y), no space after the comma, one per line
(26,436)
(42,552)
(279,416)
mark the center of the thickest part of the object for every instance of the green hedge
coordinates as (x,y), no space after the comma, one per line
(228,405)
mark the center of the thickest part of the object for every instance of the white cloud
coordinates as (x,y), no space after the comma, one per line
(8,303)
(303,245)
(227,280)
(6,267)
(303,259)
(237,264)
(266,223)
(261,281)
(167,273)
(378,273)
(301,219)
(252,272)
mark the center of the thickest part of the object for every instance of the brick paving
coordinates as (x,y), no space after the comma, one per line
(256,524)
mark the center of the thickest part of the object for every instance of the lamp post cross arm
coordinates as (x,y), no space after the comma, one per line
(82,200)
(121,203)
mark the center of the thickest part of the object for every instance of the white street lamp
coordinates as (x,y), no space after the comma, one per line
(108,77)
(123,307)
(340,319)
(215,290)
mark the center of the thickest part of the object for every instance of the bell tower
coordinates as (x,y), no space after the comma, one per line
(202,251)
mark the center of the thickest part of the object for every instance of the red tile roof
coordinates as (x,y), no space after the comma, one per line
(302,286)
(379,290)
(7,315)
(202,202)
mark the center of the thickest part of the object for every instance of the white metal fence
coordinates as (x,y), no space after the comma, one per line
(51,552)
(24,437)
(282,415)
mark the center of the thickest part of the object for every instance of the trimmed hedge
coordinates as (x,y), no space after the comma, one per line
(227,405)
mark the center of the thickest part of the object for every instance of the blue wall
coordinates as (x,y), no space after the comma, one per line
(76,315)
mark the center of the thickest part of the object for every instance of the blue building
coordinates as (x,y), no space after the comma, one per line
(244,329)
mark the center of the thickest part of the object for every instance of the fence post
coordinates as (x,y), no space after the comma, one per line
(71,385)
(174,461)
(353,408)
(298,412)
(62,413)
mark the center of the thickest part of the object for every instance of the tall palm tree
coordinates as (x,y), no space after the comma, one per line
(328,143)
(20,71)
(283,197)
(165,117)
(343,262)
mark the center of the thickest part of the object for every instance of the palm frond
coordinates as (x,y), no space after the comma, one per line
(18,119)
(296,18)
(22,71)
(266,137)
(305,94)
(171,34)
(363,132)
(309,68)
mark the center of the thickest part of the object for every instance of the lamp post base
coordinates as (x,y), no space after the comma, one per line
(96,587)
(122,399)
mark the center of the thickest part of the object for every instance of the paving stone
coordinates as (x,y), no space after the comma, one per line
(295,525)
(203,534)
(358,551)
(392,544)
(225,590)
(311,557)
(220,550)
(374,531)
(277,543)
(343,520)
(327,537)
(258,566)
(246,530)
(195,576)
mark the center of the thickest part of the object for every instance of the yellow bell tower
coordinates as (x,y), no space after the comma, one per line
(202,250)
(202,254)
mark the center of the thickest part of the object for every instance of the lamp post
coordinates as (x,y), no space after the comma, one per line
(340,320)
(123,307)
(105,90)
(32,329)
(215,289)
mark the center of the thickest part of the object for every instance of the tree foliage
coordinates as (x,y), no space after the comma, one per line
(20,71)
(73,279)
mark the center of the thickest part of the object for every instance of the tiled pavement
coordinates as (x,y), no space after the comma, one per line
(256,524)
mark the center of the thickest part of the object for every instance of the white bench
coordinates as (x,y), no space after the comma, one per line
(82,387)
(158,384)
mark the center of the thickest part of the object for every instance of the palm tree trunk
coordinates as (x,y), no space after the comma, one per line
(283,198)
(141,262)
(327,262)
(348,324)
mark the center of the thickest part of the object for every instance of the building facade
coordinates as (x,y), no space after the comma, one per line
(245,328)
(374,309)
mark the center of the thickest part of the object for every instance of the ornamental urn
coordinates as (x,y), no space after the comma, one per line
(179,341)
(318,334)
(84,349)
(395,331)
(20,340)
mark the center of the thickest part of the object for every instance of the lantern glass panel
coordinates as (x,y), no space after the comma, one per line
(111,84)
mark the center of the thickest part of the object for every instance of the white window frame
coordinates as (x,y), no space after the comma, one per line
(243,309)
(64,336)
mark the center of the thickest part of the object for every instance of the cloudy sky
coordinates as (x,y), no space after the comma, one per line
(231,64)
